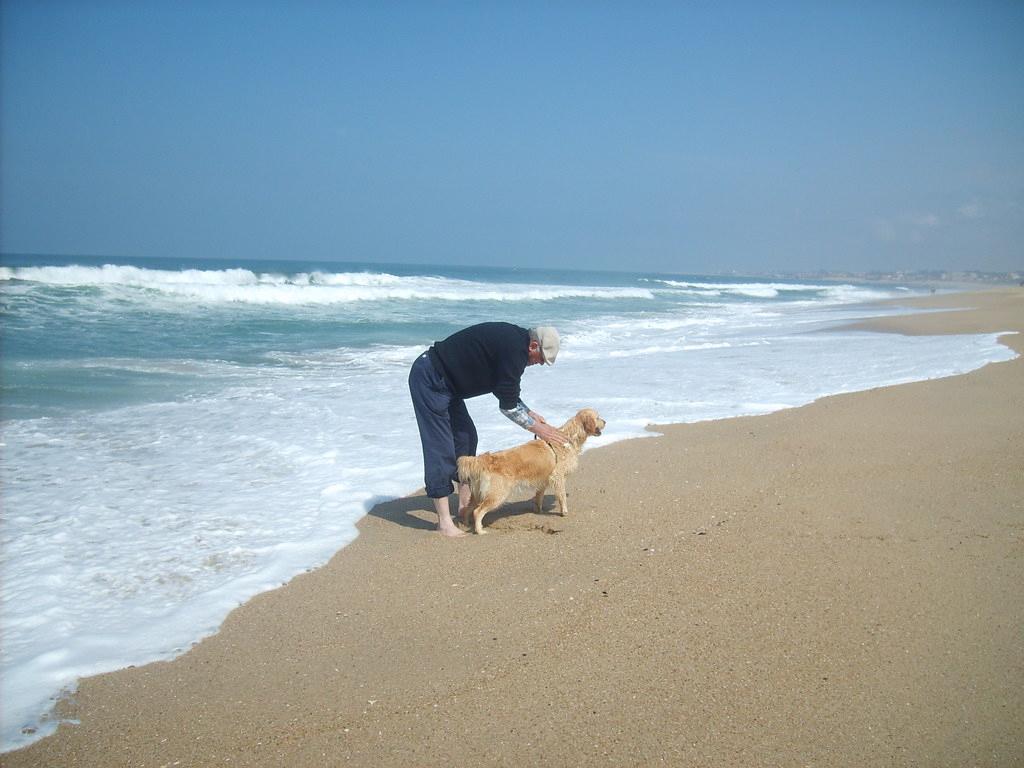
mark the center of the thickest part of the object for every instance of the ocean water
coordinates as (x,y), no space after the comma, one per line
(179,436)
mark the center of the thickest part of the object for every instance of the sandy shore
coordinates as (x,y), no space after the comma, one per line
(839,584)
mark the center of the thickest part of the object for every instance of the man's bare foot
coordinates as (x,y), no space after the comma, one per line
(451,530)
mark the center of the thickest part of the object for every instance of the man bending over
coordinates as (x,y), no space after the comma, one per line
(489,357)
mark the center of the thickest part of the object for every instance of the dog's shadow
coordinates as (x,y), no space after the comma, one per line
(512,513)
(417,512)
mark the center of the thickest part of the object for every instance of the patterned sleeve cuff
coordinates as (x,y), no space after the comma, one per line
(520,415)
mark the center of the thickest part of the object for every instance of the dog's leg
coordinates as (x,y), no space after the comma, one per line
(559,486)
(538,500)
(480,509)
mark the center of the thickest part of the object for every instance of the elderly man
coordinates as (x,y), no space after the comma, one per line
(489,357)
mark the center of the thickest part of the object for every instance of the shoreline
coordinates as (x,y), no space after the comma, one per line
(681,628)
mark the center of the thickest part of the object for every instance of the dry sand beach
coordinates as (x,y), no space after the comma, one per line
(838,584)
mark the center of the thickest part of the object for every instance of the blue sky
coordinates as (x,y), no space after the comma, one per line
(683,137)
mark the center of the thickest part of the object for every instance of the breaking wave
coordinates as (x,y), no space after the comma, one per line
(246,286)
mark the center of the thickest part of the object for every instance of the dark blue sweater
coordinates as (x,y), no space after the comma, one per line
(489,357)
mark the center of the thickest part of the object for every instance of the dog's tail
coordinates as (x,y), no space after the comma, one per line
(471,471)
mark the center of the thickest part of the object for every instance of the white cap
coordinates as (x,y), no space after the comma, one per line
(549,342)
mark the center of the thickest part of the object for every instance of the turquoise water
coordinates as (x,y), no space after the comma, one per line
(72,330)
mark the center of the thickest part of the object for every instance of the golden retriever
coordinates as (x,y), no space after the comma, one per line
(534,465)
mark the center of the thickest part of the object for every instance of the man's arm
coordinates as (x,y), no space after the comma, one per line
(533,422)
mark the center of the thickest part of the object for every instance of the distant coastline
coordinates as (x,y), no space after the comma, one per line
(951,279)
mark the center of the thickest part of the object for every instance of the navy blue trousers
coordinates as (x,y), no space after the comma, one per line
(446,430)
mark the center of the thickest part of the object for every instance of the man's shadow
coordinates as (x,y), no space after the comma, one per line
(417,512)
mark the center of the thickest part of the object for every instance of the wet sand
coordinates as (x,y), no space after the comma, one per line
(838,584)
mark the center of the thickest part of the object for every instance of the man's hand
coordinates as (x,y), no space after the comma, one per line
(545,431)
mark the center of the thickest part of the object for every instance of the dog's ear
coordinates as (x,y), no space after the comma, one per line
(590,421)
